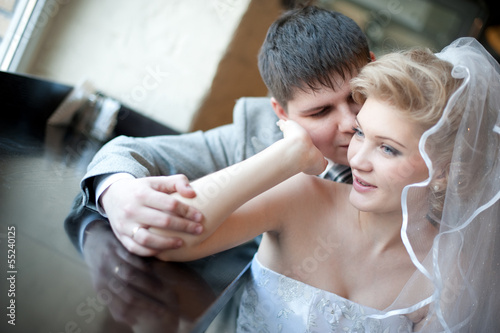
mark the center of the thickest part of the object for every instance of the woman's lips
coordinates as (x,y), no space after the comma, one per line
(362,186)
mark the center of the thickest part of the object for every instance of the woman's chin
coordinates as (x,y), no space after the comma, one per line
(358,201)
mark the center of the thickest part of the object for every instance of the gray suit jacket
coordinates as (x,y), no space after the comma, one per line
(193,154)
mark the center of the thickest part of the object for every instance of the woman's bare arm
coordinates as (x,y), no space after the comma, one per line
(221,193)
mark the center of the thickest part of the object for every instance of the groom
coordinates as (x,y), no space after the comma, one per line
(306,61)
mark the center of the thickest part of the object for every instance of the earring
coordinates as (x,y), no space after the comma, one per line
(436,188)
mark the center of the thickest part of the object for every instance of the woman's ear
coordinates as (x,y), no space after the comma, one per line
(440,182)
(372,56)
(278,109)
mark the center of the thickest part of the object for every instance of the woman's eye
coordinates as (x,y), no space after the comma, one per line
(358,132)
(391,151)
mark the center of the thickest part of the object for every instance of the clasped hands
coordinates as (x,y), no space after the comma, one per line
(135,205)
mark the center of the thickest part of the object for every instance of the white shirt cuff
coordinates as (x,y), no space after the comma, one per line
(102,183)
(328,167)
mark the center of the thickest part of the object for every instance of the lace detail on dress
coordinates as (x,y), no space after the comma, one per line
(272,302)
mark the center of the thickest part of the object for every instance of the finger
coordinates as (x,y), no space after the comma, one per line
(136,287)
(171,184)
(133,259)
(156,241)
(170,222)
(185,190)
(152,286)
(128,275)
(159,218)
(168,204)
(137,248)
(146,243)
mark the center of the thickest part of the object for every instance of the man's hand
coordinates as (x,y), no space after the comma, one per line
(135,205)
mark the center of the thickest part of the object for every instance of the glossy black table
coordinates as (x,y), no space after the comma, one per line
(64,270)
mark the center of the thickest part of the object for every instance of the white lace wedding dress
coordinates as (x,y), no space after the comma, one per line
(272,302)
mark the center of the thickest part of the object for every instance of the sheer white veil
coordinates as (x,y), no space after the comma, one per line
(456,247)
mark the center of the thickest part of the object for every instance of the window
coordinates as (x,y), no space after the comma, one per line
(21,25)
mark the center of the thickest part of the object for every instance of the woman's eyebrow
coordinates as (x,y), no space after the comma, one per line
(381,137)
(387,138)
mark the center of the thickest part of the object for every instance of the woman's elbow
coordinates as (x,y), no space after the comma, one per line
(187,251)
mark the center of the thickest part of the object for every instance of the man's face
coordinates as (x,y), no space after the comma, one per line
(328,116)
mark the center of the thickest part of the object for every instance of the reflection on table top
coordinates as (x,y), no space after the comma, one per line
(72,275)
(148,294)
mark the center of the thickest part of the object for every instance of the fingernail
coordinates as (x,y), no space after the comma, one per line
(178,243)
(198,217)
(198,229)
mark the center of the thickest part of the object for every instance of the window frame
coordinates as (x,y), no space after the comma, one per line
(28,25)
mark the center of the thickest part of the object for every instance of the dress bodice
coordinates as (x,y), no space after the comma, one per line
(272,302)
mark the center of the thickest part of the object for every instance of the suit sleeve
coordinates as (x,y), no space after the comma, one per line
(193,154)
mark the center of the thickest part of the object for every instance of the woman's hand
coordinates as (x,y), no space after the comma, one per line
(310,158)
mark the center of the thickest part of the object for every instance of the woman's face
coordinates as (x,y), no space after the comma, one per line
(384,157)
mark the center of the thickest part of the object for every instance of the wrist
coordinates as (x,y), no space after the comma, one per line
(297,154)
(301,155)
(102,184)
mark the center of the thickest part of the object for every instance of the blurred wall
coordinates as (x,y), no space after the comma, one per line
(157,56)
(237,74)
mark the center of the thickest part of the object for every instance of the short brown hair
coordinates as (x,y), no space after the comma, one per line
(307,47)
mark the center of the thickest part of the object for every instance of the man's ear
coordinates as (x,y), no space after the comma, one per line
(372,56)
(278,109)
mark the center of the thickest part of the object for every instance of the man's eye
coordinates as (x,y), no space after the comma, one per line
(320,113)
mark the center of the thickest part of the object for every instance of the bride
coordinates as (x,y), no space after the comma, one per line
(410,246)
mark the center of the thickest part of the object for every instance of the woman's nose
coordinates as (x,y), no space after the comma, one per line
(359,156)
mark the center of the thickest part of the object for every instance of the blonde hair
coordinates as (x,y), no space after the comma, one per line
(419,84)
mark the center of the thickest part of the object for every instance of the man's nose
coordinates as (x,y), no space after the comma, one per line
(347,119)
